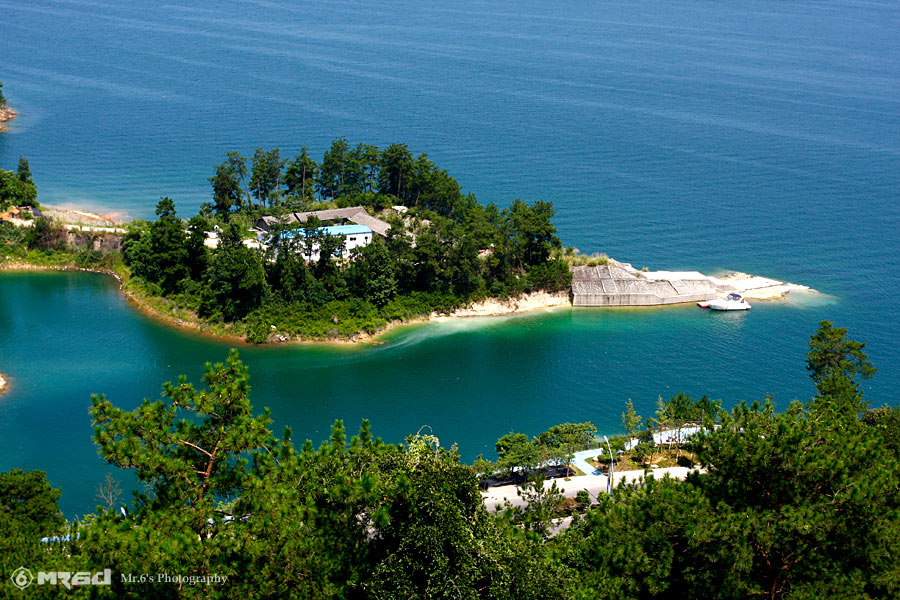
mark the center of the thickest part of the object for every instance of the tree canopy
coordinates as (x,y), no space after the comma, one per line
(802,503)
(17,187)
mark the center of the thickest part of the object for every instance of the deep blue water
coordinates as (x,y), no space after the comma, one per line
(759,136)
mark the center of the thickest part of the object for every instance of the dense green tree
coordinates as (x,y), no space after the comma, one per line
(28,511)
(24,171)
(197,254)
(430,257)
(517,453)
(168,253)
(236,278)
(396,172)
(631,421)
(461,267)
(362,169)
(834,363)
(543,505)
(436,539)
(2,97)
(195,450)
(291,278)
(357,519)
(226,184)
(658,540)
(815,498)
(431,188)
(300,176)
(333,170)
(886,421)
(510,441)
(238,167)
(136,250)
(371,273)
(265,178)
(17,187)
(28,499)
(327,269)
(553,276)
(531,231)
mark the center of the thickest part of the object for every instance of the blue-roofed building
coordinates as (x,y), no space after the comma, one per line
(353,235)
(347,230)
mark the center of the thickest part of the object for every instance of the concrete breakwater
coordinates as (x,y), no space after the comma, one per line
(620,284)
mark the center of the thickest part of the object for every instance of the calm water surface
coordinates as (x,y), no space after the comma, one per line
(758,136)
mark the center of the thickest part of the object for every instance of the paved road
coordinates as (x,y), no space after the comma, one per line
(594,485)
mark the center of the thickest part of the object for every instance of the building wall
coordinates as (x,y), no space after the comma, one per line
(351,241)
(357,240)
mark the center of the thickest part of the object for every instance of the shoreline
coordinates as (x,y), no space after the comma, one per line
(146,309)
(755,288)
(6,114)
(490,307)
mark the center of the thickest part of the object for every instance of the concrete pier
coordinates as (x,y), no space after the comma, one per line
(619,284)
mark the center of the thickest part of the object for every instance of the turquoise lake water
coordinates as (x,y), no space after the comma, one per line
(755,136)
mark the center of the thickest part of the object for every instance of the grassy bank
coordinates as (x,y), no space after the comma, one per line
(337,321)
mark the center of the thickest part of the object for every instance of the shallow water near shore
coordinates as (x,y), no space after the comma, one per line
(471,380)
(756,136)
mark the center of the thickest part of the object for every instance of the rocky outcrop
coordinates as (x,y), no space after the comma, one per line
(6,113)
(107,242)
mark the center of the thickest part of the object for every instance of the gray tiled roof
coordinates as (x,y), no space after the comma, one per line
(354,214)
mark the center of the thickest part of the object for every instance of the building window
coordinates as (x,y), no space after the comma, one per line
(352,239)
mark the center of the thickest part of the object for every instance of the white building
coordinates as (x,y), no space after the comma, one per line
(354,236)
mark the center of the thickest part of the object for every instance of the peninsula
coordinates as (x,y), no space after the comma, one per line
(337,251)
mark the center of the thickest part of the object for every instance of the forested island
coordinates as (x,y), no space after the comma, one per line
(433,248)
(802,503)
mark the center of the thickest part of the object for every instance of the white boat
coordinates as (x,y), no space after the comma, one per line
(729,302)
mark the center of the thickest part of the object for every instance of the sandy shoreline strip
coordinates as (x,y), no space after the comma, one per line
(750,286)
(496,307)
